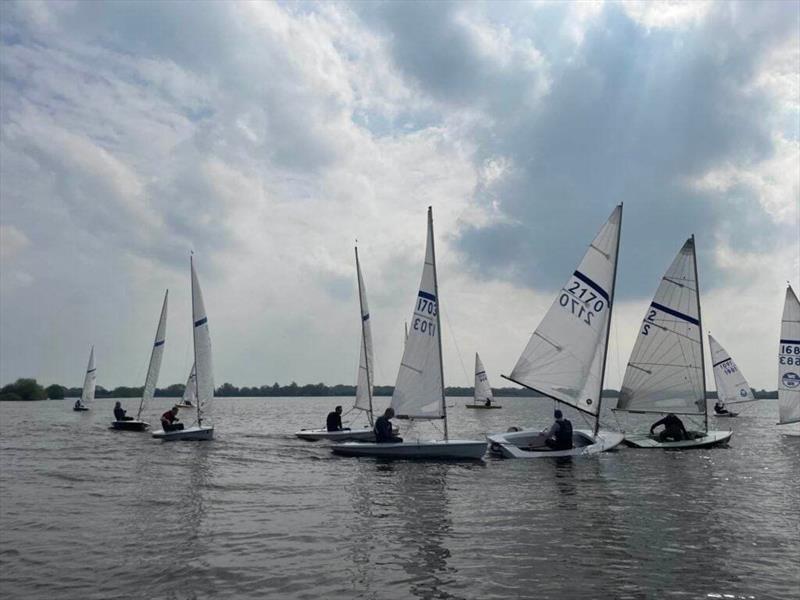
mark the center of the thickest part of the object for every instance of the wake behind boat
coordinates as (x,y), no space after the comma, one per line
(419,389)
(666,370)
(566,356)
(483,398)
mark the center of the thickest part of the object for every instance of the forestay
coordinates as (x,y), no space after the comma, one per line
(732,387)
(565,356)
(366,360)
(483,390)
(156,353)
(418,391)
(89,381)
(789,361)
(665,371)
(204,382)
(190,391)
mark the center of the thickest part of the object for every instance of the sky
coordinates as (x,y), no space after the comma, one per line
(269,137)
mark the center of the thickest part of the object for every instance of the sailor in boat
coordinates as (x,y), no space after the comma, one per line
(720,409)
(559,436)
(488,403)
(78,404)
(334,421)
(119,413)
(673,429)
(169,420)
(383,428)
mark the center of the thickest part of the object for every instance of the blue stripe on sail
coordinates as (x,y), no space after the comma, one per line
(720,362)
(790,341)
(91,371)
(675,313)
(157,344)
(591,284)
(427,296)
(202,321)
(365,317)
(480,373)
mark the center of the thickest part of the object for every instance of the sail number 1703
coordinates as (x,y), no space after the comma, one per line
(581,301)
(424,316)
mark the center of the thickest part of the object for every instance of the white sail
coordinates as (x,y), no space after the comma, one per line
(732,387)
(418,391)
(204,382)
(566,354)
(665,371)
(190,391)
(789,361)
(483,390)
(89,381)
(156,353)
(366,358)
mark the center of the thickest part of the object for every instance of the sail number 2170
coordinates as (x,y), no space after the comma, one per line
(581,301)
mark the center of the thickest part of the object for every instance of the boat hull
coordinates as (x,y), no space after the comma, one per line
(529,443)
(314,435)
(129,425)
(728,414)
(80,408)
(709,440)
(481,406)
(190,434)
(441,449)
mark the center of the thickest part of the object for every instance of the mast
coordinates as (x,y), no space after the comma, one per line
(700,326)
(364,337)
(438,320)
(194,343)
(608,325)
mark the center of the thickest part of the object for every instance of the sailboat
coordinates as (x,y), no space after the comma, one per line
(419,389)
(87,394)
(666,370)
(189,398)
(789,363)
(364,379)
(732,387)
(483,397)
(204,380)
(153,368)
(565,358)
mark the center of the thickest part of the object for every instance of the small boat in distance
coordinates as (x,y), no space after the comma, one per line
(732,387)
(204,380)
(565,359)
(189,398)
(364,379)
(150,381)
(89,381)
(789,363)
(666,370)
(483,397)
(419,389)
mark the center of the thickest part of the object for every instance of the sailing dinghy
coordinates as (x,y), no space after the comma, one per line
(153,369)
(666,370)
(483,397)
(732,387)
(89,381)
(789,363)
(419,389)
(189,398)
(204,381)
(364,379)
(565,358)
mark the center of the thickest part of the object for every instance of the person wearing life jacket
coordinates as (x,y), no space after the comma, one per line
(674,429)
(383,428)
(119,413)
(334,421)
(169,420)
(559,436)
(720,409)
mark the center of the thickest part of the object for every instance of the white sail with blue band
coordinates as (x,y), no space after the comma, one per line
(89,381)
(154,367)
(732,387)
(204,379)
(483,390)
(365,379)
(564,358)
(789,361)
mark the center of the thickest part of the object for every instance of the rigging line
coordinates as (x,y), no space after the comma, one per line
(455,343)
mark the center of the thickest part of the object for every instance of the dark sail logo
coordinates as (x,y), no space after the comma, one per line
(791,380)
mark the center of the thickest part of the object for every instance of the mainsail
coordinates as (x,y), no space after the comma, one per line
(483,391)
(665,372)
(190,391)
(204,382)
(565,357)
(732,387)
(156,353)
(789,361)
(366,360)
(89,381)
(419,391)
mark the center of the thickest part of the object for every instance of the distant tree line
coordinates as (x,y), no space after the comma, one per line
(29,389)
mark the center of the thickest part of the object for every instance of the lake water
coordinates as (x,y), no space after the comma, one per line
(87,512)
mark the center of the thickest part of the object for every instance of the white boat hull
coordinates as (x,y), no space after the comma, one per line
(80,408)
(313,435)
(530,443)
(483,406)
(129,425)
(196,433)
(710,439)
(728,414)
(445,449)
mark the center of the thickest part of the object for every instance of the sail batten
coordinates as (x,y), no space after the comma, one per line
(789,361)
